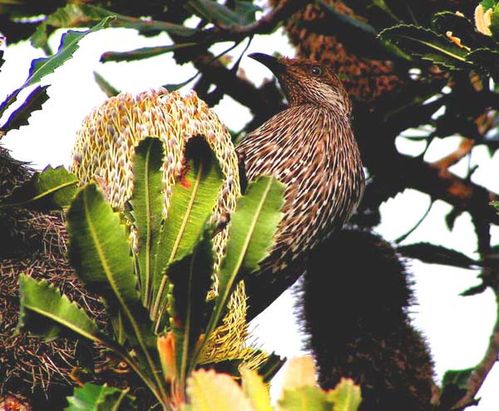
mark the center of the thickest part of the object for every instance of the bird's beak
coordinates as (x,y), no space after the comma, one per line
(273,64)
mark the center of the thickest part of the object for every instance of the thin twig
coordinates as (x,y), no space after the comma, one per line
(463,150)
(481,371)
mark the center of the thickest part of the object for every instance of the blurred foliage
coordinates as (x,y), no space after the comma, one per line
(421,70)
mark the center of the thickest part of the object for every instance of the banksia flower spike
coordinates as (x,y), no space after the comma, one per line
(104,152)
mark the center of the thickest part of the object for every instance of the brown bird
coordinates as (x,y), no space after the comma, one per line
(310,147)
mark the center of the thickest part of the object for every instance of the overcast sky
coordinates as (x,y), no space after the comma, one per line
(457,327)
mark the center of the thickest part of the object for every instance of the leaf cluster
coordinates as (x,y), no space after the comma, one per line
(155,283)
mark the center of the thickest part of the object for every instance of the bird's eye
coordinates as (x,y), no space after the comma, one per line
(316,70)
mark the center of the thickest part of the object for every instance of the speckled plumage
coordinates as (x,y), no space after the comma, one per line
(310,147)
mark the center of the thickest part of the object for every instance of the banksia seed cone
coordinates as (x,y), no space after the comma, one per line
(364,79)
(103,152)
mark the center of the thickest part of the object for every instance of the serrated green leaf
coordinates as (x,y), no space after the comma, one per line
(252,228)
(93,397)
(105,86)
(192,201)
(426,44)
(147,207)
(191,277)
(53,188)
(21,115)
(345,396)
(69,44)
(100,254)
(45,312)
(64,17)
(99,247)
(304,398)
(461,27)
(46,65)
(256,390)
(142,53)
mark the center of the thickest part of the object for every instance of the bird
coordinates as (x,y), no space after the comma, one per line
(309,147)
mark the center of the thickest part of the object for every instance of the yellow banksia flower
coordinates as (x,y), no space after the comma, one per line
(483,20)
(104,151)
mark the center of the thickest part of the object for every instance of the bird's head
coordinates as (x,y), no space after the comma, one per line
(307,82)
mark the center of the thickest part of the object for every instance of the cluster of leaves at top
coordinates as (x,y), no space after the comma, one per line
(453,41)
(155,287)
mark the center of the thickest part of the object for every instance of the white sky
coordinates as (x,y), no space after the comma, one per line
(457,327)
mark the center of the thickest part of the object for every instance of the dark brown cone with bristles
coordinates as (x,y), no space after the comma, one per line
(309,147)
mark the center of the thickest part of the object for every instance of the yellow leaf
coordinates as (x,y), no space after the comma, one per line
(256,390)
(345,396)
(209,391)
(300,372)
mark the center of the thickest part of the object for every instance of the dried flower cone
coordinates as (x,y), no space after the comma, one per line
(103,152)
(363,78)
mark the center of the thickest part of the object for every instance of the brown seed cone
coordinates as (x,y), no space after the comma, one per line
(355,305)
(364,79)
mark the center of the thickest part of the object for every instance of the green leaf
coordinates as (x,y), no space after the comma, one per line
(42,66)
(488,4)
(69,44)
(142,53)
(256,390)
(99,248)
(93,397)
(147,207)
(45,312)
(84,15)
(21,115)
(192,201)
(215,12)
(251,232)
(53,188)
(246,10)
(345,396)
(436,254)
(494,23)
(105,86)
(99,252)
(454,387)
(191,277)
(304,398)
(461,27)
(426,44)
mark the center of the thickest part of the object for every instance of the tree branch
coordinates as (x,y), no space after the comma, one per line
(481,371)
